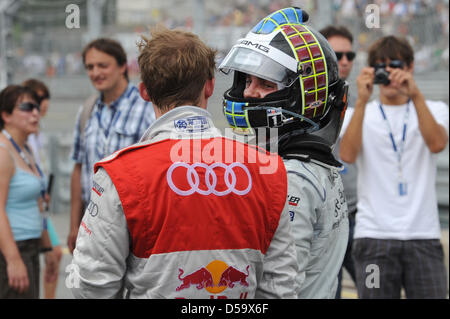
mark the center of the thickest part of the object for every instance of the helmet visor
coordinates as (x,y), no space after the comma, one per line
(252,62)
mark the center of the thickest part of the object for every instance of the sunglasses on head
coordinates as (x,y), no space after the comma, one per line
(350,55)
(395,64)
(29,106)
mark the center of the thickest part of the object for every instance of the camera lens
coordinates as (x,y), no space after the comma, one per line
(381,76)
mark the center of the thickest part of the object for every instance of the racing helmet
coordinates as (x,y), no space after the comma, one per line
(282,49)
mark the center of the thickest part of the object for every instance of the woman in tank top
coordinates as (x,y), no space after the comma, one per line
(22,185)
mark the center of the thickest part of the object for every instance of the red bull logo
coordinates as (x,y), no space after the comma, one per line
(215,277)
(201,279)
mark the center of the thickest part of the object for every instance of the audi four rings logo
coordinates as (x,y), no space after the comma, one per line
(193,179)
(92,209)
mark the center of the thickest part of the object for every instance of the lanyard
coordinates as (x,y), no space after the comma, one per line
(400,148)
(99,119)
(22,155)
(105,136)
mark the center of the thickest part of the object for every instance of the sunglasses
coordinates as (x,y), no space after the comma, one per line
(350,55)
(395,64)
(29,106)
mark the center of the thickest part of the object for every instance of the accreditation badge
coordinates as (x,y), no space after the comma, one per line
(403,188)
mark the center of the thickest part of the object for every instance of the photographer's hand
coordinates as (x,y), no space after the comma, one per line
(434,134)
(403,80)
(365,84)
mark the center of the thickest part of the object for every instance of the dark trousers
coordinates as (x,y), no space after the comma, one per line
(29,251)
(384,266)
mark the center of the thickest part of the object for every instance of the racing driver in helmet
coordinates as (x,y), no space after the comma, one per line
(286,77)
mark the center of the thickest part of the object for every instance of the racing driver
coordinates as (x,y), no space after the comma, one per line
(185,213)
(286,79)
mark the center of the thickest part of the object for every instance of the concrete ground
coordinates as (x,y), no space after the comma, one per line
(61,223)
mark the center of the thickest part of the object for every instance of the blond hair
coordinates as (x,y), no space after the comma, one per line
(175,66)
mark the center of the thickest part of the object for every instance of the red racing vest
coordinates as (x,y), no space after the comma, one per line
(198,194)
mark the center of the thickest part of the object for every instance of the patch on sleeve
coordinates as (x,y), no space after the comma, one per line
(291,215)
(98,189)
(293,200)
(85,228)
(92,209)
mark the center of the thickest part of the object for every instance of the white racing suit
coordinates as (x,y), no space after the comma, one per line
(318,213)
(163,228)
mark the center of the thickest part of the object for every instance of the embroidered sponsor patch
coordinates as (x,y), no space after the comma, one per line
(98,189)
(291,215)
(193,124)
(86,228)
(92,209)
(293,201)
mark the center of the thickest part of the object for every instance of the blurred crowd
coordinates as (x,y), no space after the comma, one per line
(424,22)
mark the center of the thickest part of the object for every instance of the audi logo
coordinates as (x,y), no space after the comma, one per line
(92,209)
(194,179)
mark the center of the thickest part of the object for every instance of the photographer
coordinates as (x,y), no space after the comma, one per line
(394,141)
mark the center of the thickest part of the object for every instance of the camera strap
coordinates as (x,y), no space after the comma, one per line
(402,185)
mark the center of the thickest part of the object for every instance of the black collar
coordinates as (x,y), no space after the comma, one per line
(305,147)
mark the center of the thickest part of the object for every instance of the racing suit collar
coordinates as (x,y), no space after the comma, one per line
(182,122)
(307,147)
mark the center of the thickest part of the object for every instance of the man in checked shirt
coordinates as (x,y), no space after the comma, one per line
(114,118)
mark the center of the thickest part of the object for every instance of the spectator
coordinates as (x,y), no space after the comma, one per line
(394,141)
(36,142)
(148,229)
(306,104)
(21,187)
(114,119)
(341,41)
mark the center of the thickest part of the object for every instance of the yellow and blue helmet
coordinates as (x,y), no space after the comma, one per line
(282,49)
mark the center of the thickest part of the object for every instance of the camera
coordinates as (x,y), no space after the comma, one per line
(381,76)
